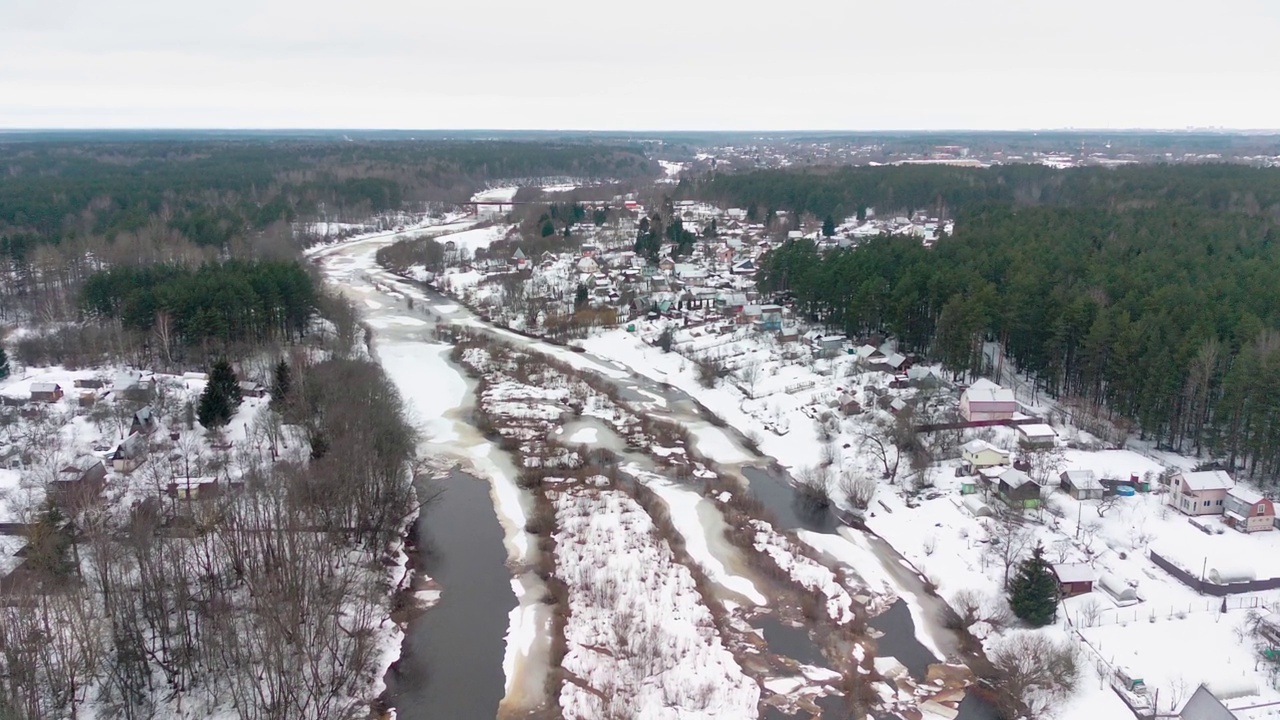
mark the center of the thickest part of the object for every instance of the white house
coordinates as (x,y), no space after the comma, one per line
(979,454)
(1037,435)
(985,400)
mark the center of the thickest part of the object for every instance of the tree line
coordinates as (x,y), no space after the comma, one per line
(231,302)
(1163,313)
(846,191)
(210,191)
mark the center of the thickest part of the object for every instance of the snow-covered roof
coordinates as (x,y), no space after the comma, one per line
(1074,572)
(1083,479)
(895,360)
(1208,480)
(978,445)
(1245,495)
(986,391)
(1015,478)
(44,387)
(1038,430)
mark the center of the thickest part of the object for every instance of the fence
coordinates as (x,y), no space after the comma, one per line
(963,424)
(1084,618)
(1211,588)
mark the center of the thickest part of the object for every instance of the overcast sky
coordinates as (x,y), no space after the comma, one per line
(652,64)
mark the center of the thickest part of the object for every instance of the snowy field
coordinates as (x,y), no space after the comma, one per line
(641,644)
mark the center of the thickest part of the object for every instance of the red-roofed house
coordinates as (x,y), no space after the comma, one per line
(1247,511)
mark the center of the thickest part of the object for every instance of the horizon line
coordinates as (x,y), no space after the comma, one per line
(777,131)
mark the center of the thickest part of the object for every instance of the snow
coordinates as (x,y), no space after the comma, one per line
(430,387)
(9,480)
(640,641)
(812,575)
(715,445)
(1200,647)
(687,510)
(499,194)
(585,435)
(472,240)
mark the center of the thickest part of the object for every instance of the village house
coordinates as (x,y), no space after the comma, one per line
(130,454)
(79,483)
(202,488)
(1248,511)
(1081,484)
(1074,578)
(10,457)
(1200,493)
(144,421)
(867,354)
(1204,705)
(588,265)
(978,454)
(46,392)
(1269,627)
(770,318)
(984,400)
(252,389)
(1038,435)
(848,404)
(90,383)
(826,346)
(1018,490)
(519,259)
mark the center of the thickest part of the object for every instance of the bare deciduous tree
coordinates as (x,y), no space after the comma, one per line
(858,489)
(1036,669)
(1010,540)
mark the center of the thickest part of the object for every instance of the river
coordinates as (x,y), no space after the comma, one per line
(454,655)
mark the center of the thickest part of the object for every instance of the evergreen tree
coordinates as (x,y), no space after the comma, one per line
(4,365)
(710,230)
(828,226)
(221,397)
(1033,592)
(548,228)
(580,298)
(281,383)
(49,543)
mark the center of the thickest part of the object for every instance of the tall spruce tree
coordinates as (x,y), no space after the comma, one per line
(221,397)
(4,365)
(1033,592)
(828,226)
(281,384)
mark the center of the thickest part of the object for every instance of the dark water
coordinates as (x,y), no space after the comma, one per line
(792,642)
(896,623)
(452,662)
(793,511)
